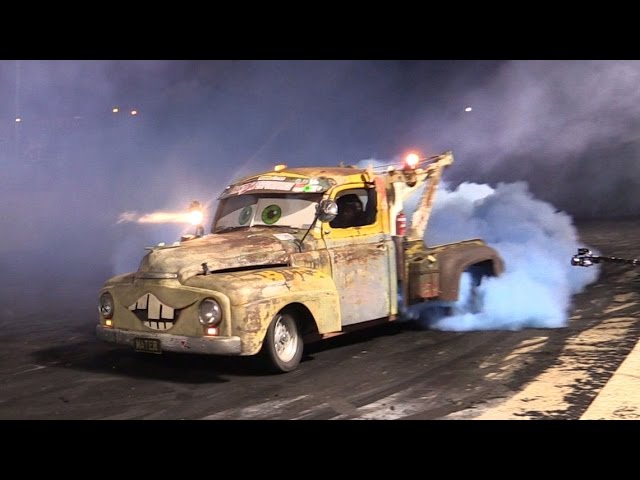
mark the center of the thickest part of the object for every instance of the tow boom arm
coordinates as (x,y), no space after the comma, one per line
(401,184)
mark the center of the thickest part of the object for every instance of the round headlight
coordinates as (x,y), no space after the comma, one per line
(106,305)
(209,312)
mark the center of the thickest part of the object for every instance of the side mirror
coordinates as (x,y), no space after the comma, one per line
(327,210)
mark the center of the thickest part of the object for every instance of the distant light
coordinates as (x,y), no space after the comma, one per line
(115,110)
(134,112)
(108,323)
(279,168)
(18,119)
(468,109)
(212,331)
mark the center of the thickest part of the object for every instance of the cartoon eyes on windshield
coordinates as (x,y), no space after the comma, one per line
(245,215)
(271,214)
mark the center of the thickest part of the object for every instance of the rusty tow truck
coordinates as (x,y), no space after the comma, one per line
(293,256)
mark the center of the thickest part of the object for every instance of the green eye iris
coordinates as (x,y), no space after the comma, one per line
(245,215)
(271,214)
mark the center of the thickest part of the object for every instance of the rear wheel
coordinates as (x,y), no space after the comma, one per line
(283,343)
(431,313)
(470,300)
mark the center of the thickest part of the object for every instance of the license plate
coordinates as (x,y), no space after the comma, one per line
(147,345)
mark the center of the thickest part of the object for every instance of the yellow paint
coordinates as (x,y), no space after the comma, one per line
(340,175)
(355,232)
(250,299)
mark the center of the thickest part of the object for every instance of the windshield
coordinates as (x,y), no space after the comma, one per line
(273,209)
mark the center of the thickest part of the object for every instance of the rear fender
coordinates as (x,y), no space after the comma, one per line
(455,260)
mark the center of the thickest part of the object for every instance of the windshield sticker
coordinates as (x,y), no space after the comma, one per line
(245,215)
(308,188)
(271,214)
(271,177)
(240,189)
(259,185)
(273,185)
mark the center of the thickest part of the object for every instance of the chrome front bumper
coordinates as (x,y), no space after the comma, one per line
(174,343)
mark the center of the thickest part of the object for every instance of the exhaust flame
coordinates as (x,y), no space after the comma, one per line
(193,217)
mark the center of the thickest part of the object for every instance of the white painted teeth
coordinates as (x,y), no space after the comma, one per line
(156,310)
(159,316)
(158,325)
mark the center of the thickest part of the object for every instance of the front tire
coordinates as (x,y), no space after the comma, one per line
(283,343)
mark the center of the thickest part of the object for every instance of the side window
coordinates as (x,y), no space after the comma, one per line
(356,208)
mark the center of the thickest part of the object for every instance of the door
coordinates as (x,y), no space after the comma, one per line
(362,258)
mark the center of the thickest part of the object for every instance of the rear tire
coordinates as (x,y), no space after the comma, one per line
(283,344)
(473,300)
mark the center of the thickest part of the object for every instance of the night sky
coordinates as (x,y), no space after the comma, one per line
(71,166)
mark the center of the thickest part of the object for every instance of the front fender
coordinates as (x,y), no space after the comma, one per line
(257,296)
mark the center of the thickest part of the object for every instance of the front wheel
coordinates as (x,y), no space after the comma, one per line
(283,343)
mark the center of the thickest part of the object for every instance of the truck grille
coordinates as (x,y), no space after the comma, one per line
(153,313)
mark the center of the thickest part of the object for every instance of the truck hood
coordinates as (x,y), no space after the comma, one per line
(222,251)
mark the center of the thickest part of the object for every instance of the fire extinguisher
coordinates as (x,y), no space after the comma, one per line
(401,224)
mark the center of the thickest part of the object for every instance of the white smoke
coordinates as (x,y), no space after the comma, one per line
(551,109)
(131,239)
(154,228)
(128,217)
(536,242)
(568,128)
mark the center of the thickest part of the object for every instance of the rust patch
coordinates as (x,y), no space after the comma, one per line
(315,259)
(357,254)
(253,320)
(292,275)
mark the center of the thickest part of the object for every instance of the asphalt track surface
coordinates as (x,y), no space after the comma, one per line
(52,367)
